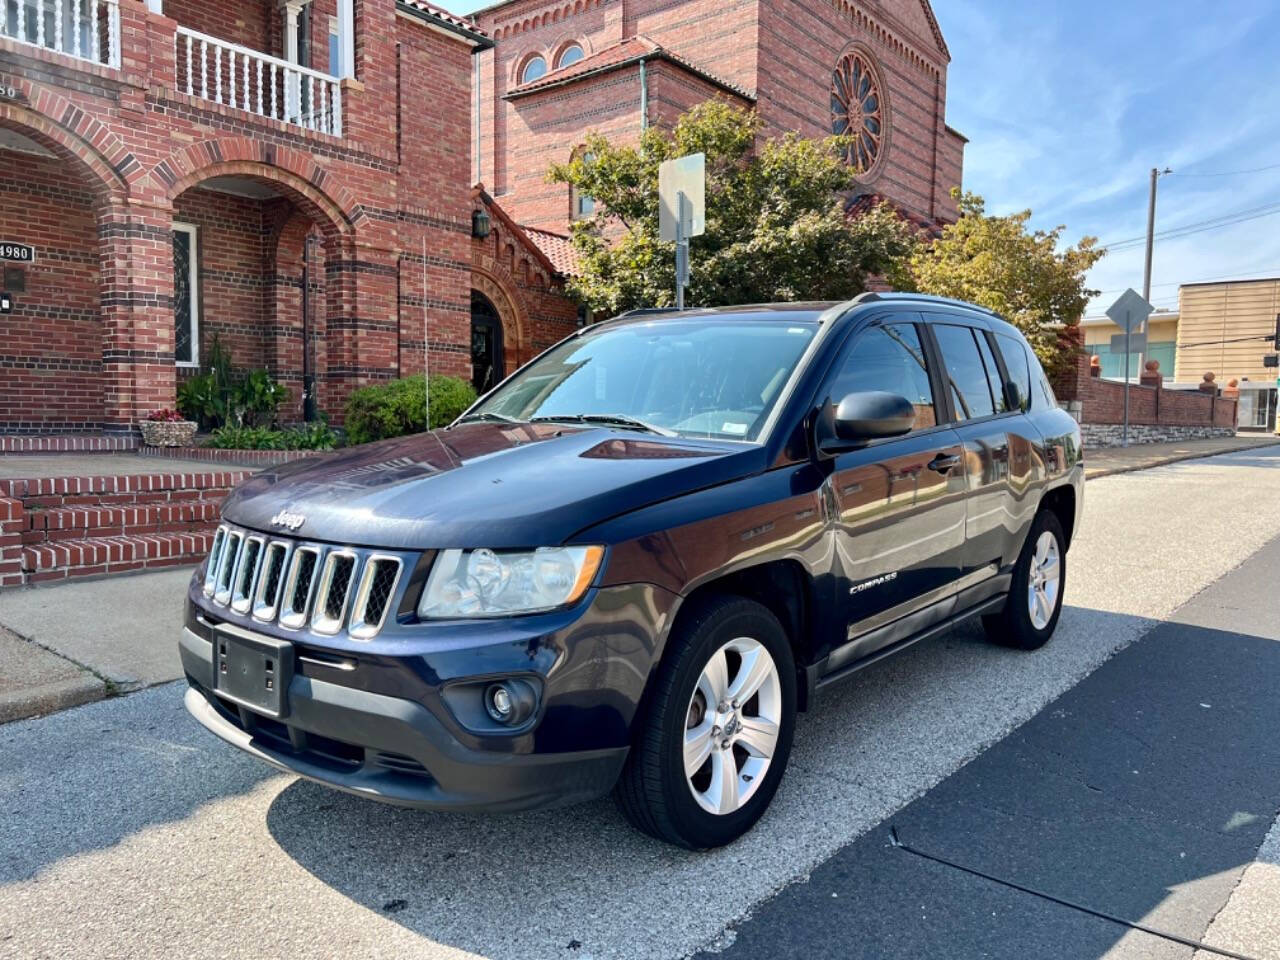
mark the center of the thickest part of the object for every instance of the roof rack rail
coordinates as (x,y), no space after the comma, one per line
(932,298)
(641,311)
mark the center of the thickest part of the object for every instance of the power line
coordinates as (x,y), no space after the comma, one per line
(1200,226)
(1183,283)
(1229,173)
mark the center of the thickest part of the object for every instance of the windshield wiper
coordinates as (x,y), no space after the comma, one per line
(609,419)
(489,416)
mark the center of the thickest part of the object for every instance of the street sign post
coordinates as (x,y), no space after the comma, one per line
(682,185)
(1129,313)
(1137,342)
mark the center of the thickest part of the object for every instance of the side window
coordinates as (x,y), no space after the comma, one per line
(1015,361)
(965,373)
(888,358)
(994,380)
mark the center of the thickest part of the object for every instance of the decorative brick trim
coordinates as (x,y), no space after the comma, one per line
(67,444)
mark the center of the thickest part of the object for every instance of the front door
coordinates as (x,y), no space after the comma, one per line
(900,501)
(487,362)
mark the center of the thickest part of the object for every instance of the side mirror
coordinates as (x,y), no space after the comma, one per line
(860,417)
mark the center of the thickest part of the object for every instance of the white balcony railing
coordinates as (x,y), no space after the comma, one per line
(84,29)
(238,77)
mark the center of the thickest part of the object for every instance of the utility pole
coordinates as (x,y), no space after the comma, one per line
(1156,174)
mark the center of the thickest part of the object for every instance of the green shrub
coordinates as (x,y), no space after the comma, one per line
(311,436)
(225,396)
(397,408)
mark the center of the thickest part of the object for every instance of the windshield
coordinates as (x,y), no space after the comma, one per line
(695,377)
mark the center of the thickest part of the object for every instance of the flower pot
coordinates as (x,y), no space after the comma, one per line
(168,433)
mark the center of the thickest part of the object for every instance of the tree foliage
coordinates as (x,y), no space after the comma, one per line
(775,223)
(1022,275)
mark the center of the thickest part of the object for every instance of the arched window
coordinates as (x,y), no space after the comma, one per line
(570,54)
(581,205)
(534,69)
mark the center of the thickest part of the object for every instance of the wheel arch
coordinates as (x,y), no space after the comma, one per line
(1061,501)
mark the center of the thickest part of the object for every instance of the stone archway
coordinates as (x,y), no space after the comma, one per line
(516,348)
(57,192)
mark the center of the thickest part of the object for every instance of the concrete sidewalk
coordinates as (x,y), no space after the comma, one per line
(1104,461)
(106,636)
(35,681)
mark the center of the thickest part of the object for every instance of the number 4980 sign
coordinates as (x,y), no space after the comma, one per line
(21,252)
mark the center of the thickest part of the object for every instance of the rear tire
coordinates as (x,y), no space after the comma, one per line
(1034,603)
(698,719)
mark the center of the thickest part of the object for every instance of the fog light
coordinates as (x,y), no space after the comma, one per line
(510,702)
(498,701)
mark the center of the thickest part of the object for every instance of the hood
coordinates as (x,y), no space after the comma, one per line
(483,485)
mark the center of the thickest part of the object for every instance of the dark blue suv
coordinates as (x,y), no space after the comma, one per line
(630,564)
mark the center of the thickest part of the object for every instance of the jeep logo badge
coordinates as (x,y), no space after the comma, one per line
(290,521)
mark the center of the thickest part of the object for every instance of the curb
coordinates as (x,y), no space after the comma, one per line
(51,698)
(1172,458)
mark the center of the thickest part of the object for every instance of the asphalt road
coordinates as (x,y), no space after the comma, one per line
(127,831)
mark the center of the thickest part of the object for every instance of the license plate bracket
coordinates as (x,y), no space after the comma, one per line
(253,671)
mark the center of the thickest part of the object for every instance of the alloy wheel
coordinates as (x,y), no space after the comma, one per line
(732,726)
(1044,581)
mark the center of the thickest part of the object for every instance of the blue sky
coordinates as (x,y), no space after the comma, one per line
(1068,106)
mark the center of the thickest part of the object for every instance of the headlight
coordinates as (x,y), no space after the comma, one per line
(490,583)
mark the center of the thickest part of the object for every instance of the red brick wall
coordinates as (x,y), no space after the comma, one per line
(800,44)
(1102,401)
(51,345)
(138,145)
(546,128)
(781,51)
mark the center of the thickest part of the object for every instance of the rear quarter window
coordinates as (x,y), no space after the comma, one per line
(1017,362)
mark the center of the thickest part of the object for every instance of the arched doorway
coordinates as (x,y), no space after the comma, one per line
(488,363)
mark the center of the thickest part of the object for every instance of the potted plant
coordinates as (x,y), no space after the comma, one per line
(167,428)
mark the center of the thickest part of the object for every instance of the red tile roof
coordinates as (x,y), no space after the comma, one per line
(869,201)
(619,54)
(557,248)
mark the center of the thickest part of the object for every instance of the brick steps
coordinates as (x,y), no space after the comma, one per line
(98,556)
(57,528)
(63,523)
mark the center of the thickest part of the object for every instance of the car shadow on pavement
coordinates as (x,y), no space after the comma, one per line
(1142,791)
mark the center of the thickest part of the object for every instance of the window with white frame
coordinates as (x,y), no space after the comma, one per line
(186,296)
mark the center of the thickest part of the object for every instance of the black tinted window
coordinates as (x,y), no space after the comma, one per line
(970,391)
(889,358)
(1016,363)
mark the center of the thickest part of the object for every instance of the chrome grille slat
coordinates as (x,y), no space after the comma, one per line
(227,565)
(334,591)
(300,587)
(303,585)
(215,555)
(274,567)
(247,575)
(378,584)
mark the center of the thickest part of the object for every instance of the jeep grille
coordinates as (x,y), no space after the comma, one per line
(301,585)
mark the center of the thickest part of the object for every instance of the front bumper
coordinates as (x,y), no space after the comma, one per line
(389,748)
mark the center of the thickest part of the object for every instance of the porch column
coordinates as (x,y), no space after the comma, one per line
(361,326)
(136,252)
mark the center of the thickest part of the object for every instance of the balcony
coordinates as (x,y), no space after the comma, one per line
(267,86)
(87,30)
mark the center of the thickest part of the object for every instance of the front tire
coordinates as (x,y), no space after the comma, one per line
(1034,603)
(713,741)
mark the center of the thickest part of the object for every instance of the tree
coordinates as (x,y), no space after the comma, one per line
(775,223)
(1023,276)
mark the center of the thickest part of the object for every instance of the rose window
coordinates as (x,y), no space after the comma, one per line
(857,109)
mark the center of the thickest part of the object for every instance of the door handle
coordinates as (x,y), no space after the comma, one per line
(944,463)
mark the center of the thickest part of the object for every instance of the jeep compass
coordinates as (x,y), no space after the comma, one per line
(630,564)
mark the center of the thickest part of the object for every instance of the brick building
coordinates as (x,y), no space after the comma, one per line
(304,180)
(561,68)
(184,169)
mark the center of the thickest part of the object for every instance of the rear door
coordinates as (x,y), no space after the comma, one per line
(997,450)
(898,502)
